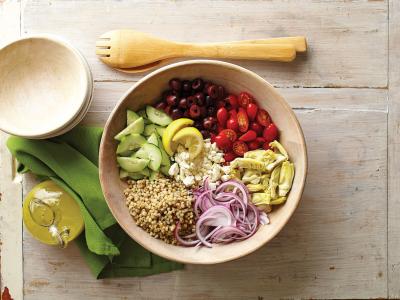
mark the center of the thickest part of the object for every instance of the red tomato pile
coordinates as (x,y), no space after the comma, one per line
(242,126)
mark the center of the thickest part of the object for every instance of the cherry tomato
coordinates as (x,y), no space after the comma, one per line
(230,134)
(223,142)
(240,148)
(260,140)
(243,120)
(233,101)
(257,128)
(253,145)
(263,117)
(244,99)
(270,133)
(222,116)
(229,156)
(249,136)
(233,113)
(252,110)
(232,124)
(266,146)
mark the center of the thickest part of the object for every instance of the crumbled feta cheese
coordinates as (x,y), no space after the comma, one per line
(225,178)
(194,172)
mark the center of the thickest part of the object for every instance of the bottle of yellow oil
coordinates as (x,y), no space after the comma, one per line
(51,215)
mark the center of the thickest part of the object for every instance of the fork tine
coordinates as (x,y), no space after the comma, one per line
(102,51)
(103,43)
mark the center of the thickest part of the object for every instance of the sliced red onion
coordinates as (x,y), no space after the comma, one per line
(224,214)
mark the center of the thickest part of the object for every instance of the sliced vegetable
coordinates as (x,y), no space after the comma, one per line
(131,116)
(263,117)
(279,148)
(136,127)
(243,120)
(222,116)
(153,139)
(249,136)
(240,148)
(230,134)
(150,129)
(244,99)
(270,133)
(152,153)
(285,178)
(274,182)
(157,116)
(252,110)
(129,143)
(132,164)
(248,163)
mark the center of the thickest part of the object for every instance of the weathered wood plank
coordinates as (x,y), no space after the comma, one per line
(393,153)
(11,272)
(347,39)
(334,246)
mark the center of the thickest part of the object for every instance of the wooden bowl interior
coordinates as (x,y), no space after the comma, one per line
(235,80)
(45,84)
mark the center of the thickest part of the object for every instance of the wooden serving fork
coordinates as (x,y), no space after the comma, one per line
(129,49)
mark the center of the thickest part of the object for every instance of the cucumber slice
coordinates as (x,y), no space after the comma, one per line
(153,175)
(131,164)
(150,129)
(135,127)
(160,130)
(131,116)
(130,142)
(123,173)
(145,172)
(153,139)
(154,154)
(142,113)
(165,170)
(141,154)
(157,116)
(135,176)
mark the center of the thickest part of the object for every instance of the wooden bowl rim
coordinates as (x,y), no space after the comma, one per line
(158,251)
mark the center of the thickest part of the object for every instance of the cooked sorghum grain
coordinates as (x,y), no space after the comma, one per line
(158,205)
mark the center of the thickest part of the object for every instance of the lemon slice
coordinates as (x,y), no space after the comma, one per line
(170,132)
(191,138)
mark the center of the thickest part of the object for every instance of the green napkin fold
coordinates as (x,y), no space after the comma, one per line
(71,161)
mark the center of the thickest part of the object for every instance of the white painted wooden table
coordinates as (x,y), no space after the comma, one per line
(343,241)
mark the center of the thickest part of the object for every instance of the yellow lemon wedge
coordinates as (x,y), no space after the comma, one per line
(170,132)
(191,138)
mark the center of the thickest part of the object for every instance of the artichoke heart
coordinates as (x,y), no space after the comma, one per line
(255,154)
(274,182)
(279,148)
(278,201)
(261,198)
(251,176)
(279,159)
(285,178)
(255,187)
(248,163)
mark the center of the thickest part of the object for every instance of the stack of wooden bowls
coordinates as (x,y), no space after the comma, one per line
(46,87)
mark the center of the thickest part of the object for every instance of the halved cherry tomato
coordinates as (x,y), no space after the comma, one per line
(249,136)
(260,140)
(245,99)
(230,134)
(257,128)
(233,113)
(229,156)
(240,148)
(253,145)
(222,116)
(266,146)
(263,117)
(232,100)
(252,110)
(223,142)
(243,120)
(232,124)
(270,133)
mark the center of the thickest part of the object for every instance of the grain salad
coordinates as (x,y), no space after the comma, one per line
(158,205)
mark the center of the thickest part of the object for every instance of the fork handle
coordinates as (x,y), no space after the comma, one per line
(272,52)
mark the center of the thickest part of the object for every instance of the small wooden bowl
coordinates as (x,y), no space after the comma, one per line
(235,79)
(46,87)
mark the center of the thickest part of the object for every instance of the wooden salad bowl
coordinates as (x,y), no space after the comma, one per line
(235,79)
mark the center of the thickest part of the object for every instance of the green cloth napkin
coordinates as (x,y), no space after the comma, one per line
(71,161)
